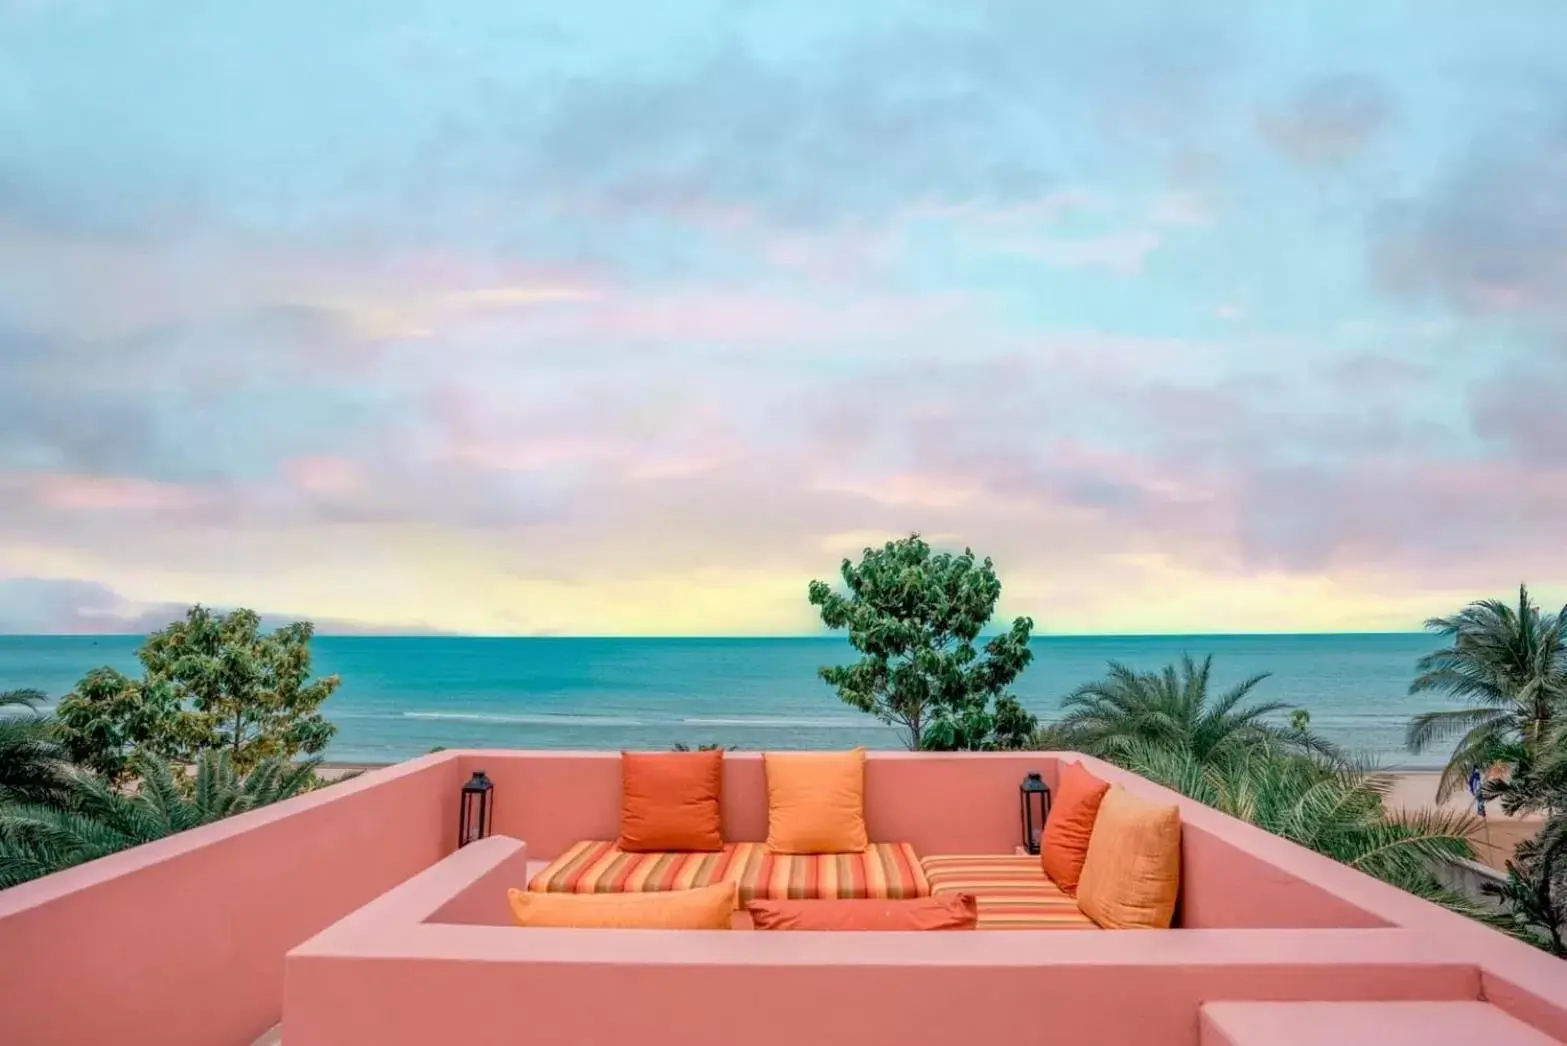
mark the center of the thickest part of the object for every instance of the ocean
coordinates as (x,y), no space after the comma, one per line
(401,697)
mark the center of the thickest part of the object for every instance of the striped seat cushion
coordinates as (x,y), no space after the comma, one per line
(883,871)
(1011,891)
(602,867)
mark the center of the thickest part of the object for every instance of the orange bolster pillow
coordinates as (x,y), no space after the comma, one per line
(706,908)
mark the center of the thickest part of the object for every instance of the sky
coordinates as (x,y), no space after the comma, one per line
(633,319)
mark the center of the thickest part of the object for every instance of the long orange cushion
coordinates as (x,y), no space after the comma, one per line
(883,870)
(1011,892)
(708,908)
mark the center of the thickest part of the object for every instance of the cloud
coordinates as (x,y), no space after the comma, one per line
(1329,121)
(1486,238)
(61,606)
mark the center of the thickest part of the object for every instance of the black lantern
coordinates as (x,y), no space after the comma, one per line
(1035,797)
(473,822)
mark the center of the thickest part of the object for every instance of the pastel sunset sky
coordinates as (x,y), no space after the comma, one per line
(634,318)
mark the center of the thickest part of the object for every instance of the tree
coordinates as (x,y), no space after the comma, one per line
(915,616)
(33,767)
(97,819)
(1171,711)
(110,716)
(211,680)
(1509,665)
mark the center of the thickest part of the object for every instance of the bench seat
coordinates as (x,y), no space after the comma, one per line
(1011,891)
(885,871)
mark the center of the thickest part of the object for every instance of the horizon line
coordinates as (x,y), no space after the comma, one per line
(742,636)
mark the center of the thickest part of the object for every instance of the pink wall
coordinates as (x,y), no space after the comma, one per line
(181,942)
(397,973)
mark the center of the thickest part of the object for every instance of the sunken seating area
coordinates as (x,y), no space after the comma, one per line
(818,851)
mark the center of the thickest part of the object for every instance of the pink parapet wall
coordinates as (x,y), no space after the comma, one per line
(181,942)
(433,962)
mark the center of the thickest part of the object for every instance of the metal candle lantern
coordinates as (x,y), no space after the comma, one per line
(1034,795)
(473,821)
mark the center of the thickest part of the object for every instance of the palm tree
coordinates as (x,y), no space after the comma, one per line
(1171,710)
(33,767)
(98,820)
(1509,665)
(1335,809)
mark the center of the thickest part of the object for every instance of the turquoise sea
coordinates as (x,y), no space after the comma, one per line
(403,696)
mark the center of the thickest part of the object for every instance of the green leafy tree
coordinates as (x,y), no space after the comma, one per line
(110,716)
(211,680)
(1172,710)
(33,766)
(97,819)
(916,616)
(1509,666)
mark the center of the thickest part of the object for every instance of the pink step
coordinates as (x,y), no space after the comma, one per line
(1364,1024)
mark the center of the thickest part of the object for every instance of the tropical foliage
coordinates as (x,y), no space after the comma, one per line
(916,615)
(210,680)
(1534,894)
(97,819)
(1244,758)
(211,729)
(1508,665)
(1337,810)
(1172,711)
(33,767)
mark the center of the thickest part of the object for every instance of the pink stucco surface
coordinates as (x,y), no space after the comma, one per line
(181,942)
(401,971)
(1364,1024)
(391,938)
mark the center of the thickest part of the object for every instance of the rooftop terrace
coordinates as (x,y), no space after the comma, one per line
(347,915)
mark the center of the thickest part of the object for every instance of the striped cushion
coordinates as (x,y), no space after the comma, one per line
(602,867)
(884,871)
(1012,891)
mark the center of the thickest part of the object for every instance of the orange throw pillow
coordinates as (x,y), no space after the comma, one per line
(707,908)
(816,802)
(1132,876)
(1070,825)
(954,911)
(669,801)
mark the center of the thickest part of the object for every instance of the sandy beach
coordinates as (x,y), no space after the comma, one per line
(1498,834)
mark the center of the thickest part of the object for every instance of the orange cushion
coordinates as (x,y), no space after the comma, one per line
(816,802)
(953,912)
(1070,825)
(669,801)
(706,908)
(1132,875)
